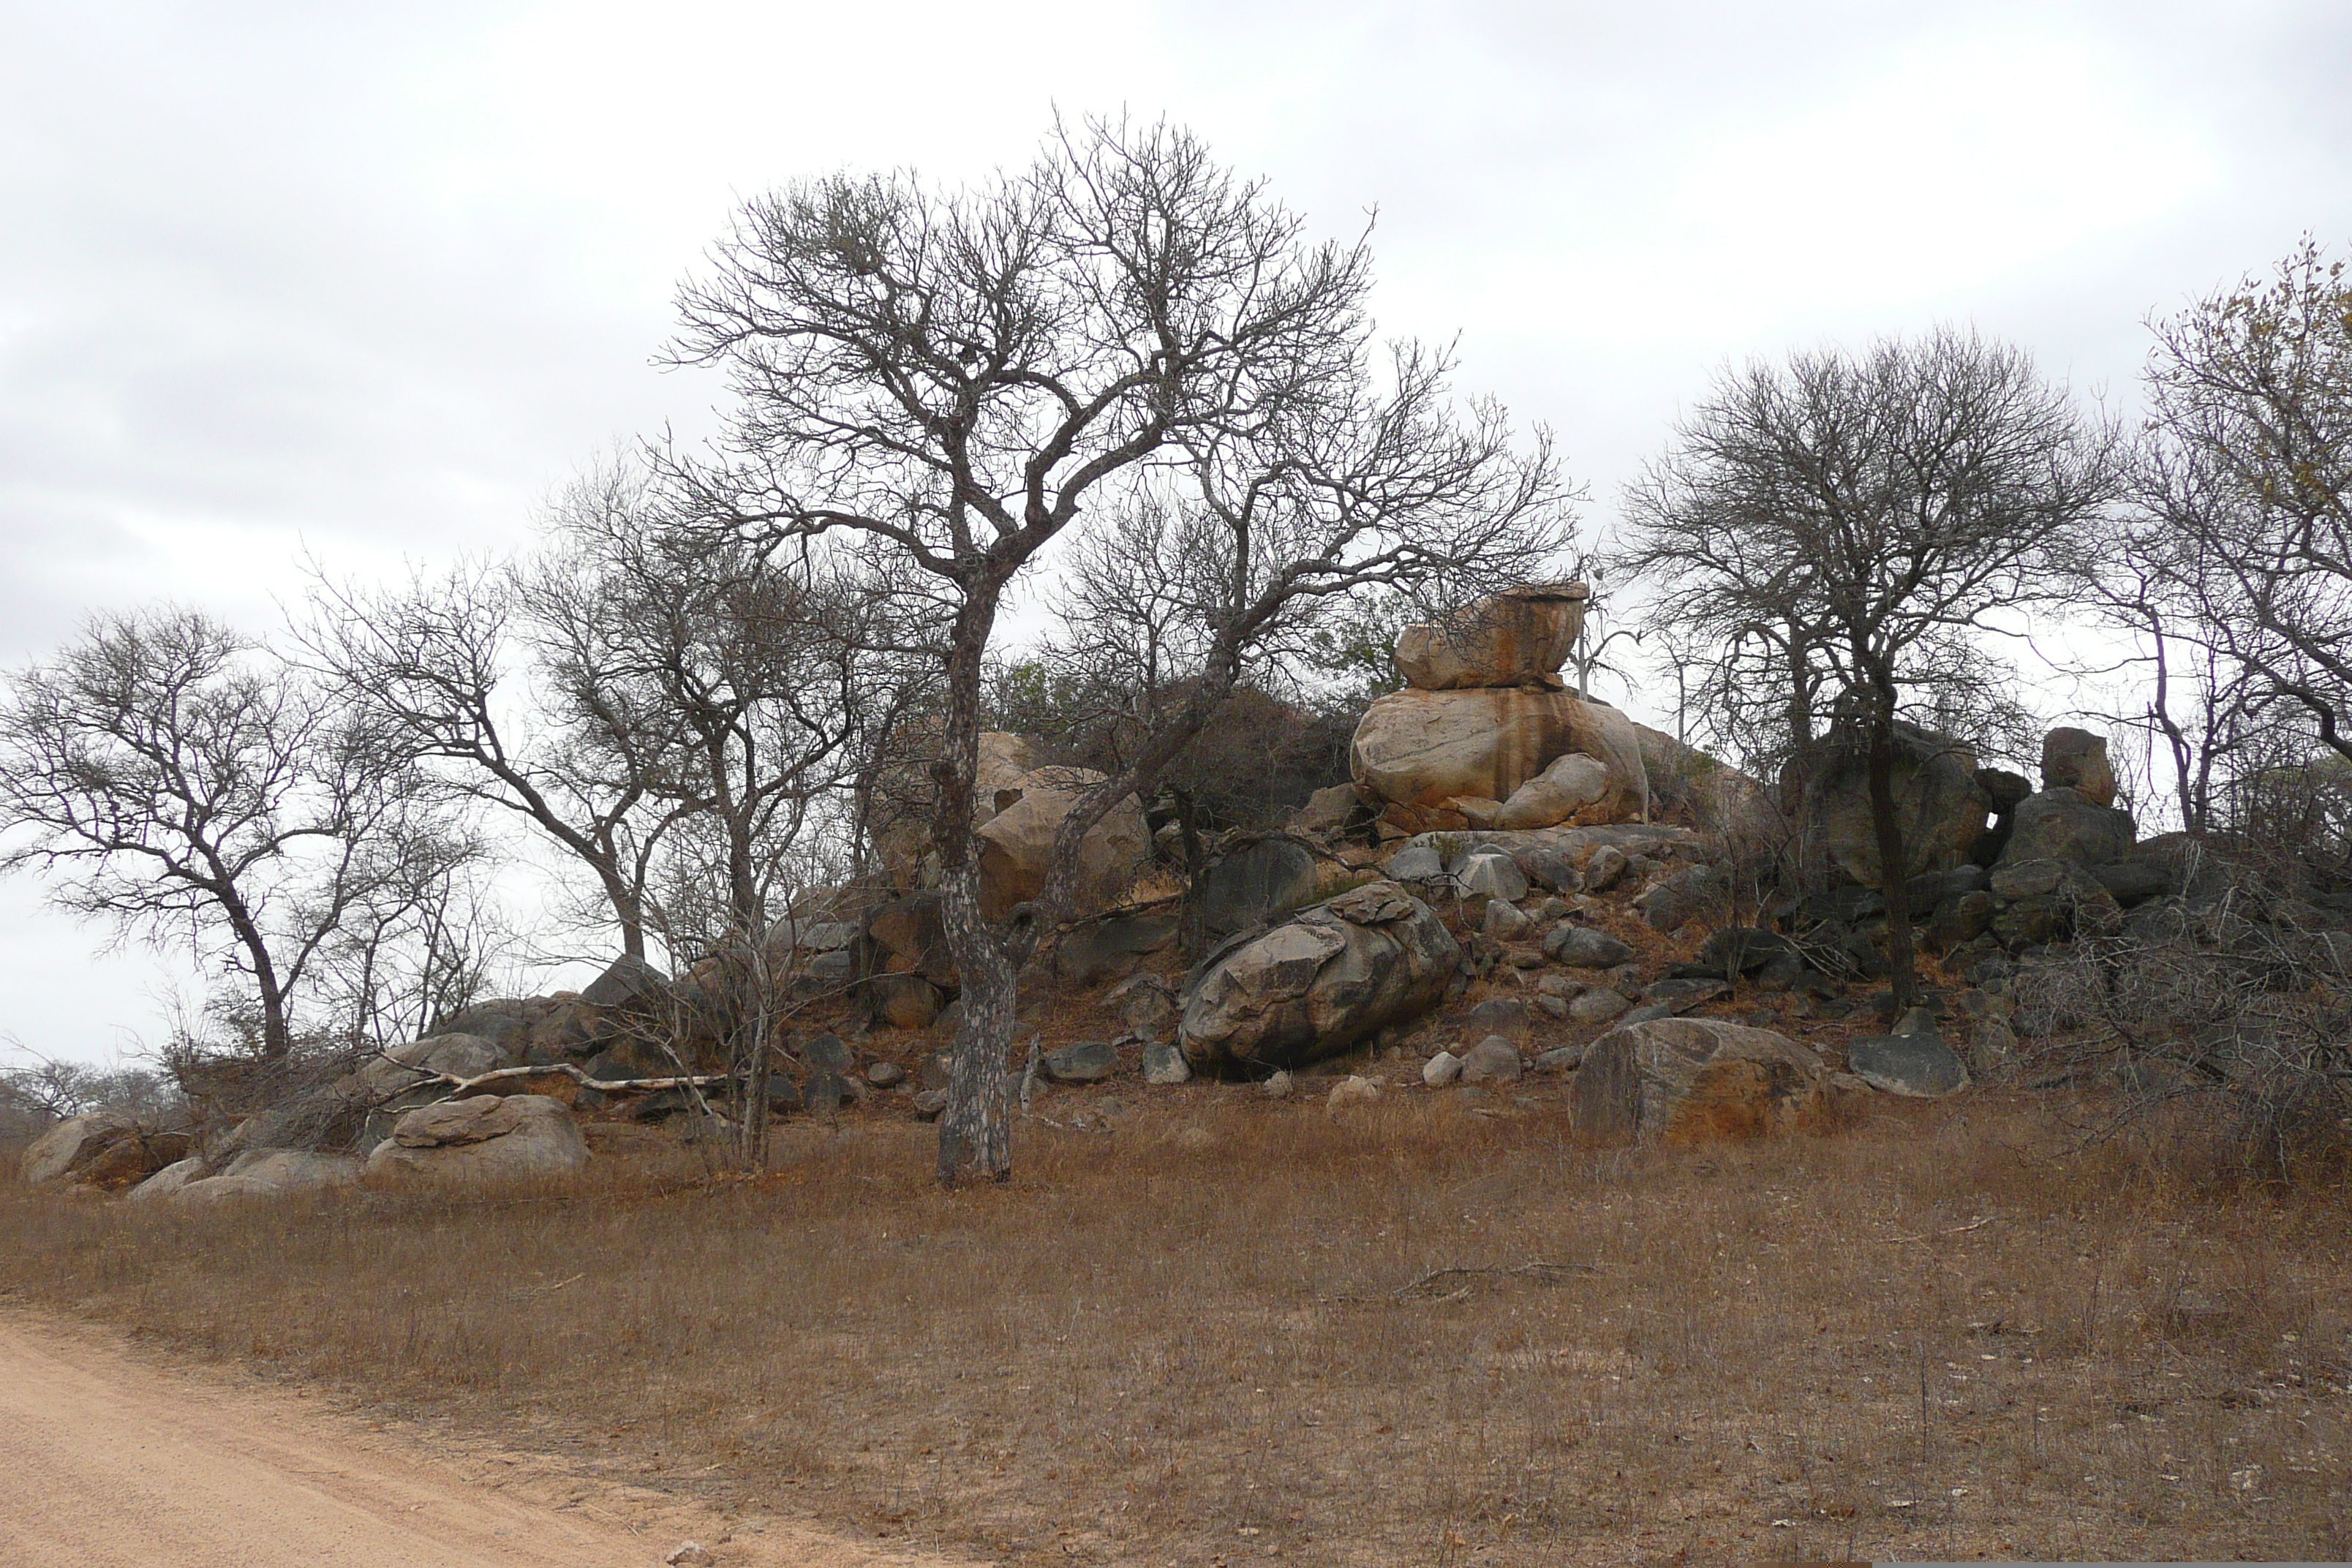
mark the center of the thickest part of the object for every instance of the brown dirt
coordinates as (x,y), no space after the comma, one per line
(113,1457)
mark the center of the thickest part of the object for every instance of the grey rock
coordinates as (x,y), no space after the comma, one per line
(1165,1063)
(1939,802)
(168,1180)
(1692,1079)
(2060,824)
(1143,1003)
(1101,951)
(1598,1006)
(486,1140)
(1085,1061)
(1581,947)
(1505,922)
(1492,1060)
(1494,874)
(1919,1067)
(829,1053)
(1277,1087)
(1740,949)
(1352,1090)
(830,968)
(929,1102)
(2134,882)
(1257,883)
(825,1091)
(1314,987)
(1327,810)
(1416,863)
(1697,892)
(1441,1069)
(1558,985)
(885,1075)
(1684,995)
(1557,1006)
(1560,1059)
(626,980)
(1548,867)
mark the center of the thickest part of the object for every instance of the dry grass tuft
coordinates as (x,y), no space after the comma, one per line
(1228,1330)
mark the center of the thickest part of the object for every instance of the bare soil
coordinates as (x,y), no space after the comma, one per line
(112,1456)
(1200,1327)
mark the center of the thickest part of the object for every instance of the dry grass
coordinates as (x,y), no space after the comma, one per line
(1217,1333)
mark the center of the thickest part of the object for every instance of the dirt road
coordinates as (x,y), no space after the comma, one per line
(111,1455)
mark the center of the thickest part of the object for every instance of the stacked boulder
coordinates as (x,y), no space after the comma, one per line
(1485,735)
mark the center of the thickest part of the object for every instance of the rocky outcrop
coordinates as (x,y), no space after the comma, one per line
(1421,748)
(1694,1080)
(1939,803)
(102,1149)
(1314,987)
(271,1173)
(1016,844)
(2077,760)
(485,1139)
(1519,636)
(2060,824)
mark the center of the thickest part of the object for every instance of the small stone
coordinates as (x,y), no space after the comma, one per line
(1492,1060)
(690,1554)
(1277,1087)
(1581,947)
(1165,1065)
(1505,922)
(828,1052)
(825,1091)
(1921,1066)
(1601,872)
(1560,1059)
(1498,1016)
(1441,1069)
(1558,985)
(930,1103)
(1416,863)
(1087,1061)
(1351,1091)
(1494,874)
(1555,1005)
(885,1075)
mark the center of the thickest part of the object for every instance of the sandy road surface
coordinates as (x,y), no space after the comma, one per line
(111,1455)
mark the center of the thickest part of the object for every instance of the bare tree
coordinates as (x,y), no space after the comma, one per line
(956,380)
(436,663)
(2251,481)
(1842,529)
(180,783)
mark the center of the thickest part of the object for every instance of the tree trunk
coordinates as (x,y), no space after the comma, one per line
(976,1128)
(1893,868)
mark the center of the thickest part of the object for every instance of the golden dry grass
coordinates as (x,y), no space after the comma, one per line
(1198,1338)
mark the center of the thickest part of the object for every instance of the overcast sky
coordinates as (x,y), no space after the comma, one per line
(367,281)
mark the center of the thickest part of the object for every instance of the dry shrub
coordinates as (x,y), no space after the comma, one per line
(1210,1328)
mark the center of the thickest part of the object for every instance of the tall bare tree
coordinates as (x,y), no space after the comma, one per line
(958,379)
(180,783)
(1844,528)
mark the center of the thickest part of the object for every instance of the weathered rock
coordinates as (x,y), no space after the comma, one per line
(1599,1005)
(1349,1091)
(828,1053)
(1939,802)
(1277,1087)
(1961,919)
(1104,950)
(1918,1066)
(1423,748)
(1144,1004)
(72,1144)
(903,1001)
(1680,996)
(885,1075)
(627,981)
(1560,1059)
(826,1090)
(1567,788)
(521,1137)
(1581,947)
(271,1173)
(506,1022)
(2077,760)
(1687,1080)
(1550,867)
(406,1065)
(1312,988)
(2060,824)
(1416,863)
(2135,881)
(1521,635)
(1257,883)
(1492,1060)
(1327,810)
(907,936)
(1504,922)
(2004,789)
(1492,874)
(1165,1065)
(1017,844)
(1441,1069)
(1608,864)
(168,1180)
(929,1102)
(1087,1061)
